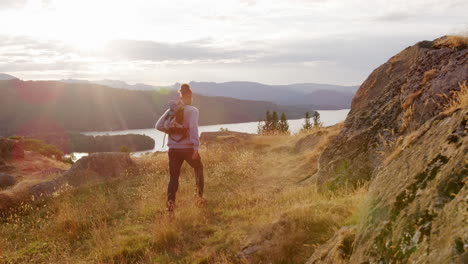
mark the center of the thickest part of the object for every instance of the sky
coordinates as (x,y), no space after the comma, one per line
(161,42)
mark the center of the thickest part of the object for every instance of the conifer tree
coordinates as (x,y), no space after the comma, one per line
(307,125)
(283,124)
(316,118)
(268,122)
(274,122)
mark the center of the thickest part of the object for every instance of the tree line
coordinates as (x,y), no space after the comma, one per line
(272,125)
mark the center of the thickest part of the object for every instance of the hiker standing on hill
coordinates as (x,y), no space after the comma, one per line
(180,122)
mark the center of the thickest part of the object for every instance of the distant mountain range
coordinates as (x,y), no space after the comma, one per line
(317,96)
(320,96)
(311,95)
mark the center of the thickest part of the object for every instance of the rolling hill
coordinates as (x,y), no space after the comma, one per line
(316,96)
(30,106)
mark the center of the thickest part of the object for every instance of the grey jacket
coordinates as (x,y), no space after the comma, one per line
(191,122)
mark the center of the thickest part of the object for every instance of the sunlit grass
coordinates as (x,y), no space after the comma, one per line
(254,199)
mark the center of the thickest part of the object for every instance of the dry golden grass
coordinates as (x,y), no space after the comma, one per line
(394,145)
(391,63)
(253,199)
(410,99)
(458,100)
(428,76)
(393,148)
(406,118)
(453,41)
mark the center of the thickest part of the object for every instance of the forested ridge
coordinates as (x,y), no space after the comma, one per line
(42,106)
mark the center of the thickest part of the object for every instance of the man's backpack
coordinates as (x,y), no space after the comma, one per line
(174,121)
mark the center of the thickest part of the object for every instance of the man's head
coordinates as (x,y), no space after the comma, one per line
(185,94)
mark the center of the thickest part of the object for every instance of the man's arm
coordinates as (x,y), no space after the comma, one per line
(160,124)
(193,129)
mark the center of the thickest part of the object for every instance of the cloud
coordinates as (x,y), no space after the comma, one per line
(6,4)
(394,17)
(345,59)
(248,2)
(159,51)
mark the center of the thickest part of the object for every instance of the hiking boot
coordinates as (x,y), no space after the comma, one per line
(170,206)
(200,201)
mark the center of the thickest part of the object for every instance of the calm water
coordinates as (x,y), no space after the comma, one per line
(328,117)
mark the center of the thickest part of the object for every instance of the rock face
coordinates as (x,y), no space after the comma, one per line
(417,204)
(397,98)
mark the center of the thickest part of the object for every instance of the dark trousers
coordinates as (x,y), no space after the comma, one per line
(176,159)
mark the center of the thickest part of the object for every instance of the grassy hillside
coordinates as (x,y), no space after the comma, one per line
(36,106)
(258,211)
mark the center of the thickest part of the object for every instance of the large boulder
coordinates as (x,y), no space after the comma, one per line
(6,180)
(95,167)
(103,165)
(10,149)
(417,202)
(397,98)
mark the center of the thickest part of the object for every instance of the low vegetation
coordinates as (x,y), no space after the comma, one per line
(257,212)
(458,100)
(393,145)
(41,147)
(454,41)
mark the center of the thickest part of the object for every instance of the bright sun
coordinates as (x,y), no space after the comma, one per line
(85,24)
(81,26)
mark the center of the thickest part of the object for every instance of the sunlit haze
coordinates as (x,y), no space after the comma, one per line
(162,42)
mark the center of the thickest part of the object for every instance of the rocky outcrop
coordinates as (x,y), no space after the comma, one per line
(397,98)
(417,203)
(97,166)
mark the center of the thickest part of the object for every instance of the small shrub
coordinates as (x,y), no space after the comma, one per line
(459,99)
(125,149)
(43,148)
(15,138)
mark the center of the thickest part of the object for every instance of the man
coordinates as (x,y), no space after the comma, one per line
(183,148)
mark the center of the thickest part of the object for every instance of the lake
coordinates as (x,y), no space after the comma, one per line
(328,118)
